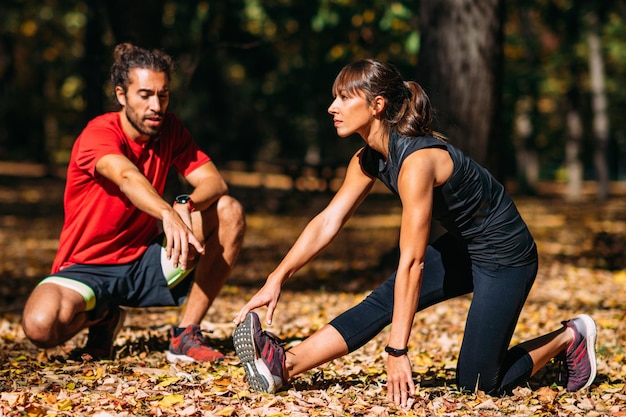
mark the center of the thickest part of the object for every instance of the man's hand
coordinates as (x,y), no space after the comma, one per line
(179,237)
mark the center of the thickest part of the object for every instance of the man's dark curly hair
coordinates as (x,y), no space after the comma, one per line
(128,56)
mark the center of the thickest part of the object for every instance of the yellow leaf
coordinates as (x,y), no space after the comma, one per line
(422,360)
(170,400)
(237,372)
(91,374)
(65,405)
(226,411)
(224,382)
(168,381)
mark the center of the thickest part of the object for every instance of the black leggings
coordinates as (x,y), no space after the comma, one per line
(485,360)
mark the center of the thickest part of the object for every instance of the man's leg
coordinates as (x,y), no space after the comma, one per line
(222,228)
(54,314)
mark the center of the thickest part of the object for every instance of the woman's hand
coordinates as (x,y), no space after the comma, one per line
(400,386)
(268,296)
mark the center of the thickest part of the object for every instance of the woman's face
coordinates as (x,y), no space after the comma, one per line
(351,114)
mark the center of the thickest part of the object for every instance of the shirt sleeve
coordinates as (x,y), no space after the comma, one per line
(94,142)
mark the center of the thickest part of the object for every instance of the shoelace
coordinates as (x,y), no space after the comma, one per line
(198,336)
(274,339)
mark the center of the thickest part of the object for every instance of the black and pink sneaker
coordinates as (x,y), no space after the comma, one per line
(261,353)
(580,355)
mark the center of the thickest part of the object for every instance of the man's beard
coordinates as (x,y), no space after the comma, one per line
(135,122)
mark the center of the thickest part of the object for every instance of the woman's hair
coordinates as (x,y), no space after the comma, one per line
(407,108)
(127,56)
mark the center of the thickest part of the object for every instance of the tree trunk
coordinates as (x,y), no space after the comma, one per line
(526,112)
(572,152)
(460,67)
(525,150)
(573,118)
(599,107)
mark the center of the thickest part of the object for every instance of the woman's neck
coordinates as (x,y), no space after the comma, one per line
(378,139)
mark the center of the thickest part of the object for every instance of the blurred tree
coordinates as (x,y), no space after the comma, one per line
(526,92)
(599,102)
(460,66)
(573,116)
(253,78)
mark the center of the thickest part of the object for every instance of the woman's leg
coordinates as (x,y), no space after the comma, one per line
(484,360)
(321,347)
(447,274)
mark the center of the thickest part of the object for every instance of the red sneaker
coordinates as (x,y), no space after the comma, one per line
(191,346)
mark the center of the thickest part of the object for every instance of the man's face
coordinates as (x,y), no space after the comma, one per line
(144,103)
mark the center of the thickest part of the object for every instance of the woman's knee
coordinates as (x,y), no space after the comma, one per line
(473,381)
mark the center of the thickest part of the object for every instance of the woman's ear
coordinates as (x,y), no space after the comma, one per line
(378,105)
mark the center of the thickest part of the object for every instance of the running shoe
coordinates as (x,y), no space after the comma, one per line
(261,353)
(580,356)
(191,346)
(102,335)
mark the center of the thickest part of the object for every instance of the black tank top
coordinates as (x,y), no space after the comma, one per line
(472,205)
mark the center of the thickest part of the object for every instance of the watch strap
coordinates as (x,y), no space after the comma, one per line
(396,352)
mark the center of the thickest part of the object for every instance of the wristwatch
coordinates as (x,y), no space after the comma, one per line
(184,199)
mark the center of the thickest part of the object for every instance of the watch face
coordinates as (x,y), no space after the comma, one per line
(183,199)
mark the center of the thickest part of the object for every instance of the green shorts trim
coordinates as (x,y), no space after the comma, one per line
(84,290)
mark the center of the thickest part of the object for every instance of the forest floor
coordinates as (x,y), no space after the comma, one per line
(582,270)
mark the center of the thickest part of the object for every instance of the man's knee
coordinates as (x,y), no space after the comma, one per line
(38,327)
(50,314)
(230,213)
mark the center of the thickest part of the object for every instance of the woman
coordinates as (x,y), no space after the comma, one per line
(487,250)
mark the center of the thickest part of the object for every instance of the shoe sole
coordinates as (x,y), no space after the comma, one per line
(175,358)
(591,333)
(256,370)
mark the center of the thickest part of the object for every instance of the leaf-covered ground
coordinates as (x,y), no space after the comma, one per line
(582,269)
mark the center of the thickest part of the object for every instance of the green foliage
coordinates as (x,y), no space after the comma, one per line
(253,78)
(547,62)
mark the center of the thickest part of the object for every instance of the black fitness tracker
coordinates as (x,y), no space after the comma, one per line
(396,352)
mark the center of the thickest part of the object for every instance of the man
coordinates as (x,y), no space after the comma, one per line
(111,250)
